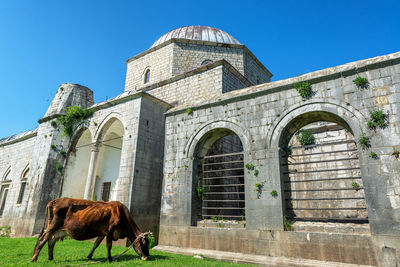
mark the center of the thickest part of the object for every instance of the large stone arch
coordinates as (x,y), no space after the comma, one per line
(200,143)
(109,143)
(77,164)
(335,111)
(243,134)
(301,115)
(105,124)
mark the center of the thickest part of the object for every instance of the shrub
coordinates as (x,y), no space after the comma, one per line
(72,117)
(189,111)
(5,231)
(305,137)
(364,141)
(376,119)
(59,167)
(304,89)
(258,188)
(53,147)
(256,173)
(355,185)
(360,82)
(396,153)
(249,166)
(287,225)
(53,123)
(199,189)
(63,153)
(214,219)
(274,193)
(373,155)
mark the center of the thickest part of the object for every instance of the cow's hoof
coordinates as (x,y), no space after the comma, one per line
(110,259)
(89,258)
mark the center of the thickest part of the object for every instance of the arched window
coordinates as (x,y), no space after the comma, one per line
(4,190)
(147,76)
(207,61)
(24,179)
(219,177)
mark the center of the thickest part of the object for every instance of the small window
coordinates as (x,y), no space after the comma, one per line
(105,191)
(21,192)
(3,198)
(207,61)
(147,76)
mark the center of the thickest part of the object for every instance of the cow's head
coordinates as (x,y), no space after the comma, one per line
(141,245)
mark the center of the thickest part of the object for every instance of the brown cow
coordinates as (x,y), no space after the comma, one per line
(85,219)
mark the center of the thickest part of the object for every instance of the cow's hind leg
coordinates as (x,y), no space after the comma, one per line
(51,244)
(109,245)
(95,245)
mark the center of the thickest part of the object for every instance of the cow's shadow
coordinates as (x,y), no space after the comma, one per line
(131,257)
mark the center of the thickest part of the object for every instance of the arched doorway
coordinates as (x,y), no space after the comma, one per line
(108,165)
(218,182)
(76,170)
(321,171)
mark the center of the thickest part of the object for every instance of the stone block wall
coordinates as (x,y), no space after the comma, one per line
(264,117)
(159,62)
(16,156)
(189,56)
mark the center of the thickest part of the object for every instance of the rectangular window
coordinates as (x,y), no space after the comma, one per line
(105,191)
(21,193)
(3,197)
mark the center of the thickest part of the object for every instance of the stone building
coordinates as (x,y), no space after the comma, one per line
(209,154)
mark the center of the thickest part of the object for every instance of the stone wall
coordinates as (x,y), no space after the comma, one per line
(265,117)
(15,156)
(159,62)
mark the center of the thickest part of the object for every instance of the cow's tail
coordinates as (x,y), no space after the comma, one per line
(48,215)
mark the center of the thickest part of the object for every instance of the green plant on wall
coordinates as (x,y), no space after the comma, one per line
(395,153)
(199,189)
(305,137)
(373,155)
(355,185)
(249,166)
(59,167)
(72,117)
(258,188)
(376,119)
(363,141)
(304,89)
(287,225)
(274,193)
(361,82)
(256,173)
(189,111)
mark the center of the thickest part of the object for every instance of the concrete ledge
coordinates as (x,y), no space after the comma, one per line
(251,259)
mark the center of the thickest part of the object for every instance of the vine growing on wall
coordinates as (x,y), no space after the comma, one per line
(73,116)
(361,82)
(305,137)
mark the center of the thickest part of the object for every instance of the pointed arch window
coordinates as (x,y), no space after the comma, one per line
(4,190)
(24,180)
(147,76)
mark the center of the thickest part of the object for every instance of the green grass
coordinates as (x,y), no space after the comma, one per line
(18,252)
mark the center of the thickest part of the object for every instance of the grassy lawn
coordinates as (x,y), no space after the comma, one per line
(18,252)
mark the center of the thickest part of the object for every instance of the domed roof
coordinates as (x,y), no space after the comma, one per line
(201,33)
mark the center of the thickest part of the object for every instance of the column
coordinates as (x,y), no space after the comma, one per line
(91,171)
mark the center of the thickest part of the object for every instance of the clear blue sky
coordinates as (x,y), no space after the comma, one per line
(46,43)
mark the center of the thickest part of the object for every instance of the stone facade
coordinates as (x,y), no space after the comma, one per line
(144,148)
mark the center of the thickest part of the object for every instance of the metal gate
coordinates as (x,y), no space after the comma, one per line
(222,183)
(323,183)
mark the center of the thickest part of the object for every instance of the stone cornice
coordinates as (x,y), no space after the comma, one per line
(312,77)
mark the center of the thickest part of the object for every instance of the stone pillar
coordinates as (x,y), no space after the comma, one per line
(91,171)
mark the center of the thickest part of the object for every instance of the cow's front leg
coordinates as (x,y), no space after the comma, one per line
(109,245)
(51,244)
(95,245)
(40,243)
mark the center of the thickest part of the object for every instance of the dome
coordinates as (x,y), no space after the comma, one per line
(201,33)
